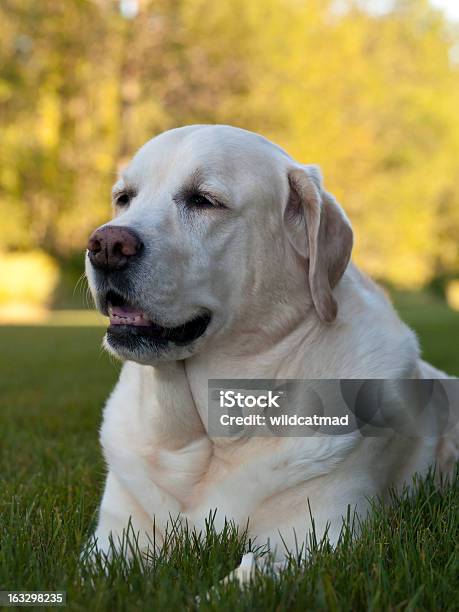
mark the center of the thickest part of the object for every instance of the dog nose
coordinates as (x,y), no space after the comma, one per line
(111,247)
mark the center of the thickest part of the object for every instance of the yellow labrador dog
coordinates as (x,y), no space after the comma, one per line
(226,258)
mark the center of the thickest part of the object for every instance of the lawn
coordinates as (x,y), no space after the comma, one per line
(54,380)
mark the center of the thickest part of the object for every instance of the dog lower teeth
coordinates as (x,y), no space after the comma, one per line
(122,316)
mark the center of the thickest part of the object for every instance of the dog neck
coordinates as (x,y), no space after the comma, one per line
(250,356)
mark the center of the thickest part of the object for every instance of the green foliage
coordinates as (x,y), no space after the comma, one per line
(372,98)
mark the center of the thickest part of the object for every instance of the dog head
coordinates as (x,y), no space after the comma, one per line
(216,232)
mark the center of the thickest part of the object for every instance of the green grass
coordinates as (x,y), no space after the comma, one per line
(53,383)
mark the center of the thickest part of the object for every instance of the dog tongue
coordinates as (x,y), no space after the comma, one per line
(125,315)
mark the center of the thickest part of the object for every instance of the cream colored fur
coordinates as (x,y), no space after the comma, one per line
(273,317)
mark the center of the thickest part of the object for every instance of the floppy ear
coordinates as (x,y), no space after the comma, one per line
(320,232)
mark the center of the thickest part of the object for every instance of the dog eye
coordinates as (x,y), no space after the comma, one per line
(123,199)
(198,200)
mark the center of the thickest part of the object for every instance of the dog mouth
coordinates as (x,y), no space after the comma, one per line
(128,321)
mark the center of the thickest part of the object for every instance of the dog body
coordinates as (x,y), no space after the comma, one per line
(240,244)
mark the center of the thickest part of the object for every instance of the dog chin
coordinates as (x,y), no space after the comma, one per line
(145,351)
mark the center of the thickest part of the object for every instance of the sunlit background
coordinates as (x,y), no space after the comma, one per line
(368,90)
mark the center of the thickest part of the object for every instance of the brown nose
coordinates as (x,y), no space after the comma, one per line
(111,247)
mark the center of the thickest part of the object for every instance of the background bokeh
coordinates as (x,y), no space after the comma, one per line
(368,90)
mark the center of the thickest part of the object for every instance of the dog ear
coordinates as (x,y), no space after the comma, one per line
(321,233)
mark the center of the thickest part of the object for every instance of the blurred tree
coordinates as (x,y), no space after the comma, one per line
(371,97)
